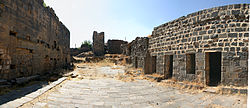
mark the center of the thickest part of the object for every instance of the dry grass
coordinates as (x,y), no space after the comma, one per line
(115,68)
(214,106)
(104,62)
(131,74)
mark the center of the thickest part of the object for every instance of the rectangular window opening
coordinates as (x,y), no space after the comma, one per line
(12,66)
(12,33)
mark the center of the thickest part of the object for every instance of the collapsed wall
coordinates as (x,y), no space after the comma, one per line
(32,39)
(138,51)
(209,46)
(126,49)
(98,44)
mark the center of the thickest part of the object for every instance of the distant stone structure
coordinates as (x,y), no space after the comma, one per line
(98,44)
(114,46)
(76,51)
(209,47)
(32,39)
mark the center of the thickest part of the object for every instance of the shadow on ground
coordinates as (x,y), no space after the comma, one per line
(21,92)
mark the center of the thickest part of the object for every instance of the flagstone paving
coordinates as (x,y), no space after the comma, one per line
(108,92)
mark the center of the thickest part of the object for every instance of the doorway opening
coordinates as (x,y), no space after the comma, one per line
(149,64)
(168,66)
(136,62)
(213,68)
(154,64)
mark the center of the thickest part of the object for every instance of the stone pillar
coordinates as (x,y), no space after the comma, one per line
(98,44)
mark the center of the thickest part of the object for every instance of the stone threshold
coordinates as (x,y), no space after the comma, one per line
(29,97)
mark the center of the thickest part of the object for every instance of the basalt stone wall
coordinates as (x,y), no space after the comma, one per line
(32,39)
(125,49)
(222,29)
(114,46)
(138,51)
(98,44)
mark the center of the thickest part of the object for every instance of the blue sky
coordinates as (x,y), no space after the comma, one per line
(121,19)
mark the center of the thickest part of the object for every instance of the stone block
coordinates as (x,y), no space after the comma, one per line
(239,29)
(232,35)
(234,91)
(246,34)
(243,91)
(223,35)
(237,6)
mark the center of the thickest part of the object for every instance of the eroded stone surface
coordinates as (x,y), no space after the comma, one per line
(32,39)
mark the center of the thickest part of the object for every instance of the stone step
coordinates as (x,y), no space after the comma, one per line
(210,90)
(26,79)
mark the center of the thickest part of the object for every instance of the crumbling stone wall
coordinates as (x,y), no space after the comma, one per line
(114,46)
(138,51)
(32,39)
(98,44)
(76,51)
(222,29)
(126,49)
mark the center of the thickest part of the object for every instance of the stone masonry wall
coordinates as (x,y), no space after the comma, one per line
(32,39)
(222,29)
(98,44)
(114,46)
(138,51)
(126,49)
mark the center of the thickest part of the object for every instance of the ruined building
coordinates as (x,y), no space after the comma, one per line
(98,44)
(138,51)
(209,47)
(114,46)
(32,39)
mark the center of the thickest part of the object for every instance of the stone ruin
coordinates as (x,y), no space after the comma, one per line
(209,47)
(138,51)
(98,44)
(76,51)
(114,46)
(32,39)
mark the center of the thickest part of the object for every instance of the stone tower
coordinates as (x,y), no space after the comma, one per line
(98,44)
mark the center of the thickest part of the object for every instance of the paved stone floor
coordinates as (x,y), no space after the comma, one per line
(96,87)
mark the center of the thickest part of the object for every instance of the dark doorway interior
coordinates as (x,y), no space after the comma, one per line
(154,64)
(168,66)
(136,62)
(213,68)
